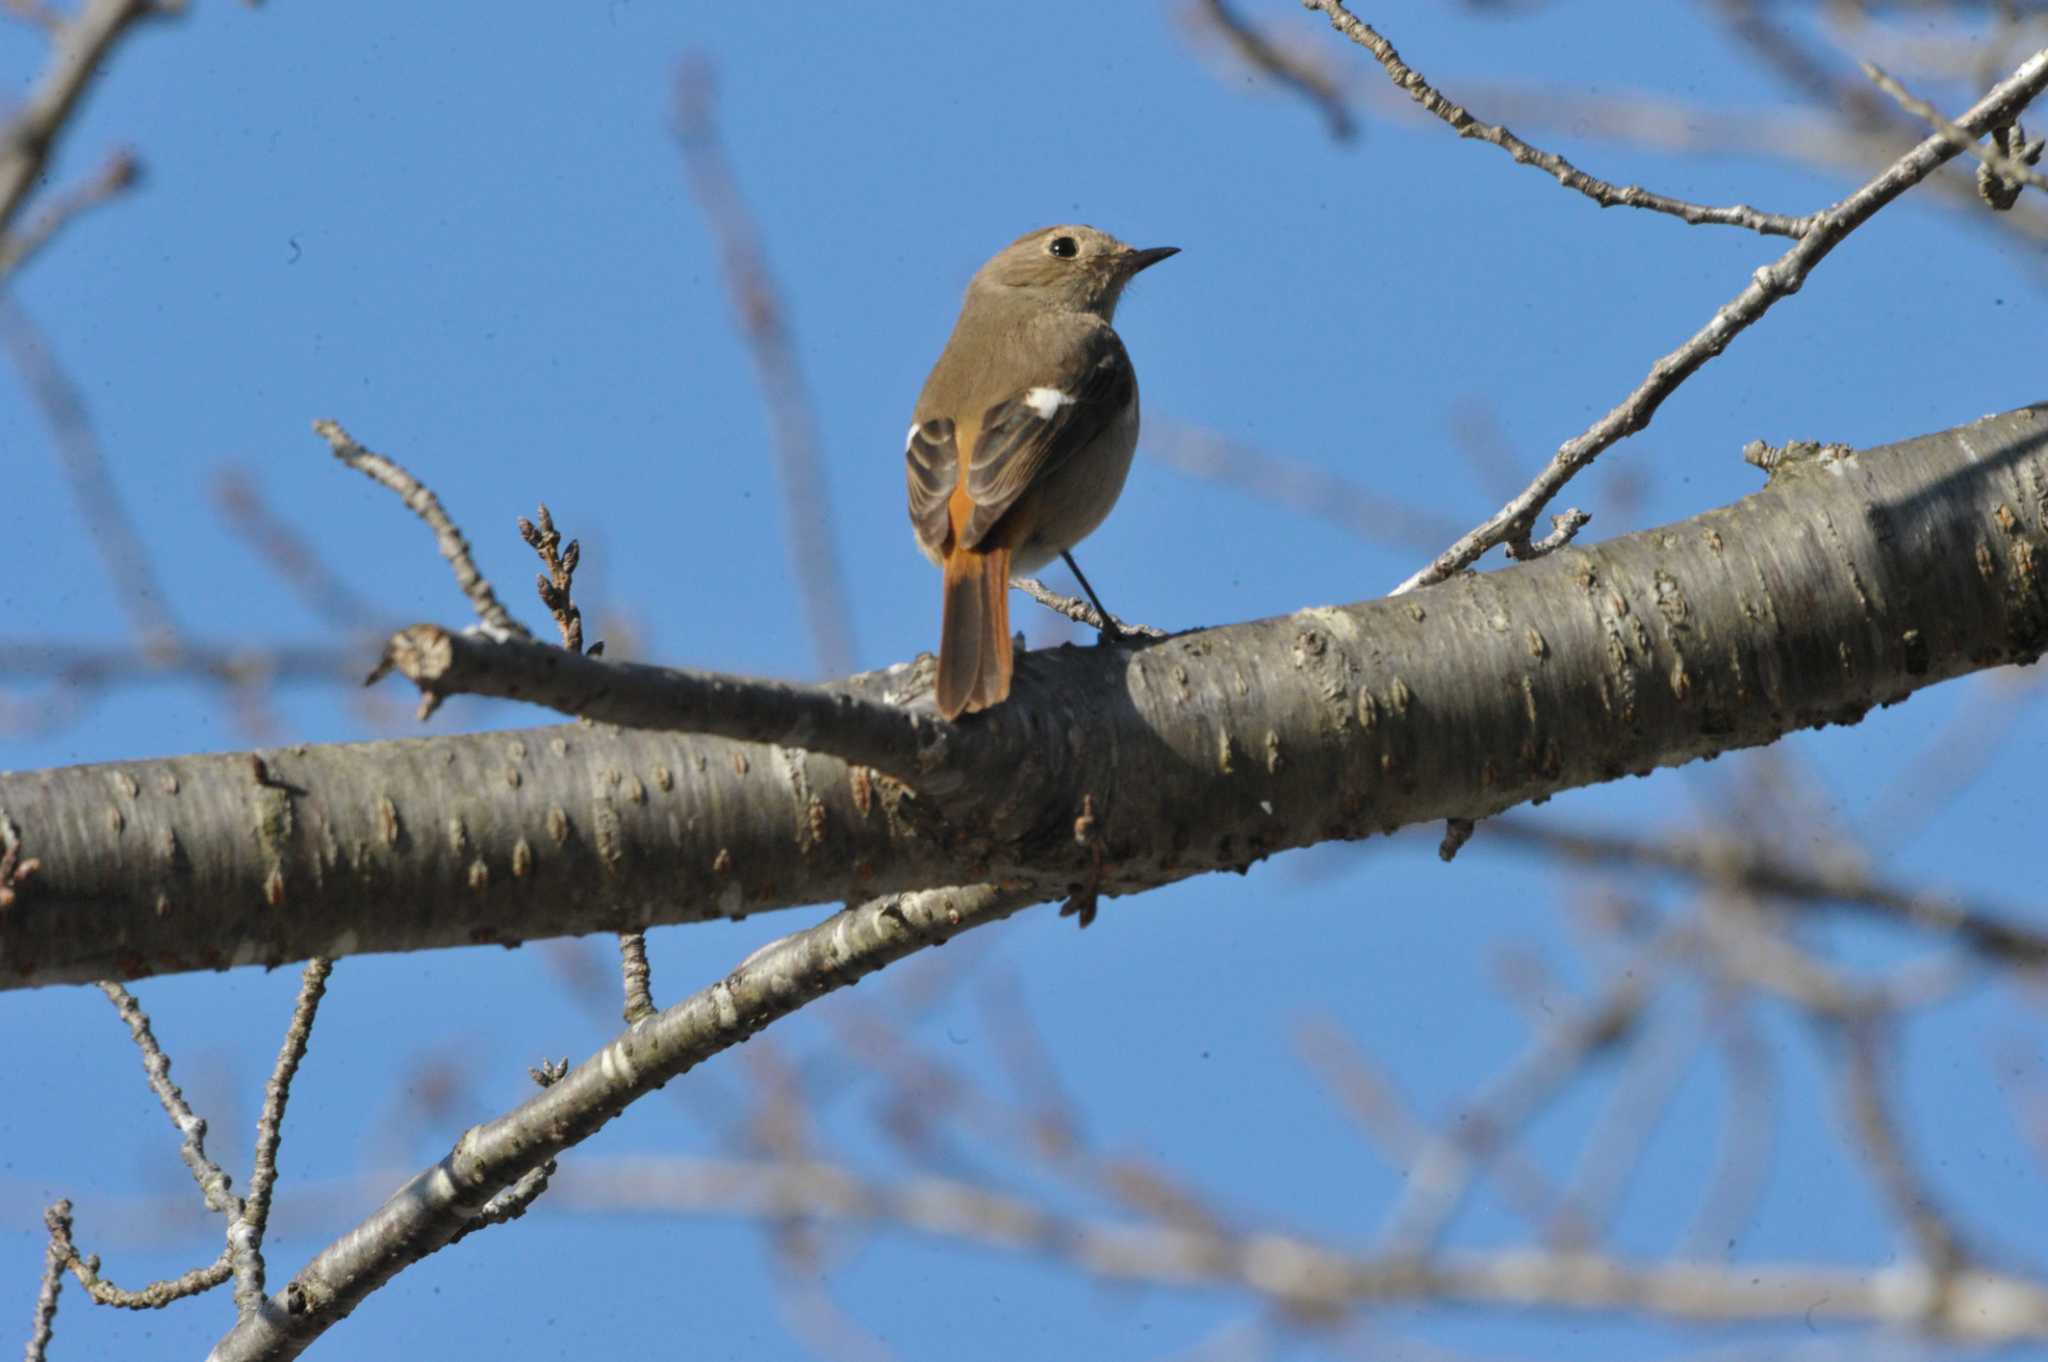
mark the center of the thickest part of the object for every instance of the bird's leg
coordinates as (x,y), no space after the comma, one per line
(1109,631)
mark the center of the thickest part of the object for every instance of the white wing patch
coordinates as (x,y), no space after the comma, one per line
(911,438)
(1045,401)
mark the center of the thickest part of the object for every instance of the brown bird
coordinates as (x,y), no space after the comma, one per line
(1022,439)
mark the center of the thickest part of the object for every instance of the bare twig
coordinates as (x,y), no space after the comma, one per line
(81,674)
(1285,68)
(1997,936)
(1556,166)
(425,1214)
(1883,1149)
(155,1296)
(556,586)
(1742,1165)
(47,1294)
(514,1201)
(1294,484)
(1404,1141)
(1659,1059)
(79,46)
(213,1183)
(44,16)
(115,178)
(1051,1114)
(1076,609)
(421,501)
(1772,283)
(242,1258)
(1444,1174)
(1277,1267)
(92,482)
(1922,787)
(2015,168)
(1641,119)
(634,971)
(1305,1279)
(1800,70)
(280,544)
(245,1232)
(763,322)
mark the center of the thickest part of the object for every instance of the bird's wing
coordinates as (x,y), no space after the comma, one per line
(1030,433)
(934,466)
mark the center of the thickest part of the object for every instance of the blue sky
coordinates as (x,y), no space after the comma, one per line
(475,246)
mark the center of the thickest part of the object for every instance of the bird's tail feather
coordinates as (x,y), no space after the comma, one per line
(974,633)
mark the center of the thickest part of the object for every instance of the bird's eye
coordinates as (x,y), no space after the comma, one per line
(1065,247)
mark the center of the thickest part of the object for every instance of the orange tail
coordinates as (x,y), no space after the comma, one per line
(974,635)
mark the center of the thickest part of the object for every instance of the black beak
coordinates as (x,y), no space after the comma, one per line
(1147,258)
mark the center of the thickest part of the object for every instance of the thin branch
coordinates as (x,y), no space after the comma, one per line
(1998,936)
(81,674)
(763,321)
(1645,120)
(514,1201)
(1285,68)
(79,48)
(1742,1165)
(1781,52)
(91,665)
(1078,610)
(213,1183)
(245,1232)
(45,16)
(1772,283)
(2013,169)
(85,467)
(155,1296)
(636,977)
(280,544)
(1748,945)
(1276,1266)
(428,1212)
(47,1294)
(1883,1149)
(1921,788)
(1294,484)
(1552,164)
(556,585)
(1403,1139)
(1307,1279)
(422,502)
(1659,1060)
(116,177)
(1443,1175)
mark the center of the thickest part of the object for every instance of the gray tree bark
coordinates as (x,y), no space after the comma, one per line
(1852,579)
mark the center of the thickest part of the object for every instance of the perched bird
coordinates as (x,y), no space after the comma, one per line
(1022,439)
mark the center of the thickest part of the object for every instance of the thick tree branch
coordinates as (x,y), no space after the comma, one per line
(1850,581)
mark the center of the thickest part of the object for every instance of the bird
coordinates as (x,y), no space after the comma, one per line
(1021,440)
